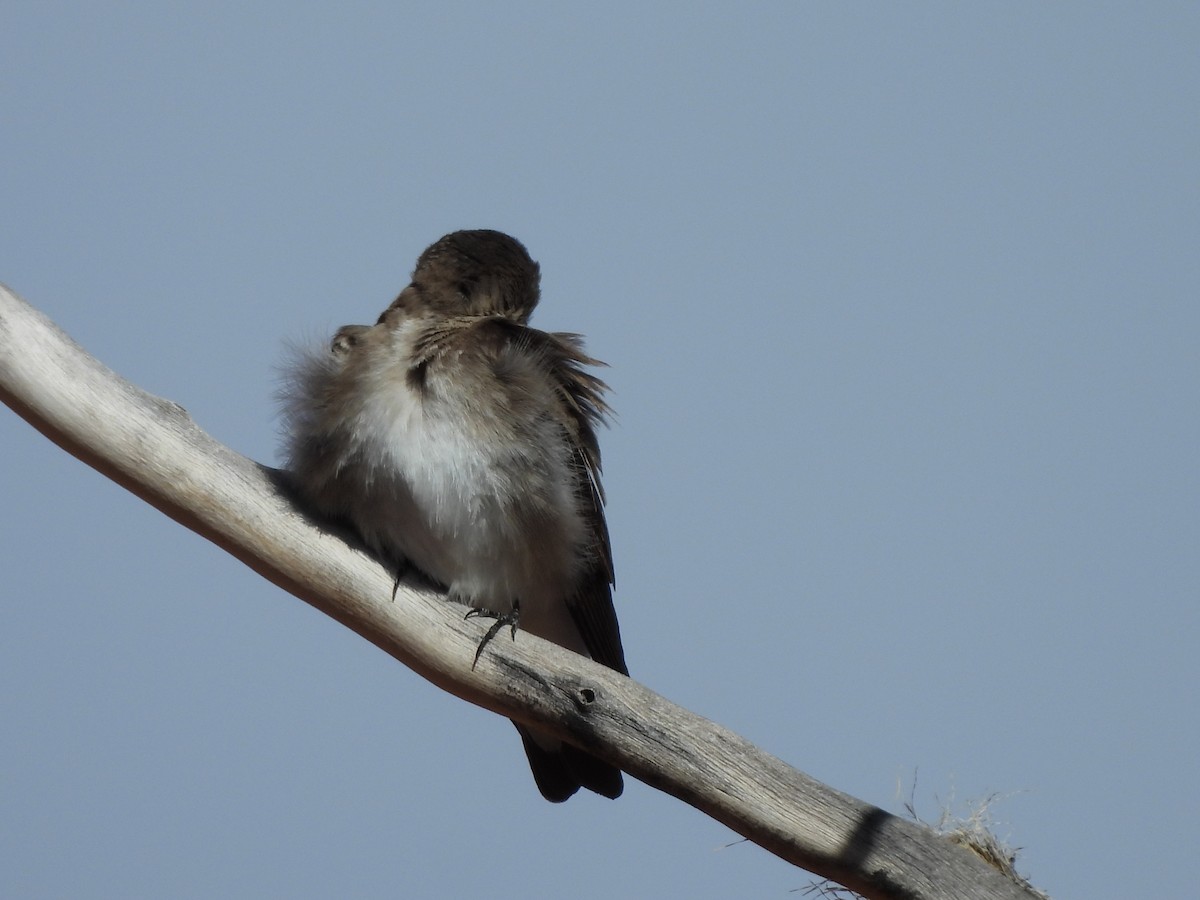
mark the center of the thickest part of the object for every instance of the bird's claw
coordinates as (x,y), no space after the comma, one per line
(511,619)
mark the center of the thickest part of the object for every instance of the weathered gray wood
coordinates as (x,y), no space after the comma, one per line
(153,448)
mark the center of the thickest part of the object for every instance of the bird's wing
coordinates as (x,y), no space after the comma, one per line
(579,396)
(582,395)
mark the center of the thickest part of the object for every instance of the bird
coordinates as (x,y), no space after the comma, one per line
(458,440)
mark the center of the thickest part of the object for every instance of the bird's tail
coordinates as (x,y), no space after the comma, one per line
(561,769)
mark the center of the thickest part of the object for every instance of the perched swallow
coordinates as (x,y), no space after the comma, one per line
(457,439)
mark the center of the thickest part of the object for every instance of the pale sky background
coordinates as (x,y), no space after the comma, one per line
(901,305)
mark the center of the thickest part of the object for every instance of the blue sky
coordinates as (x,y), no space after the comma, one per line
(900,304)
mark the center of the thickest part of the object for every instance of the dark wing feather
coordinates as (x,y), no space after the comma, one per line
(582,395)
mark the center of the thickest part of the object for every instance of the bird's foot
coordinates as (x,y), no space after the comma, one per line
(511,619)
(402,569)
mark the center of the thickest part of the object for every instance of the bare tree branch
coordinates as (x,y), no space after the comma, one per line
(152,448)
